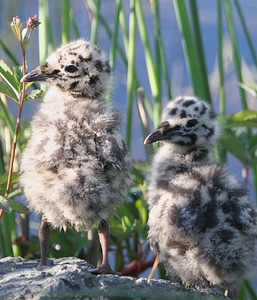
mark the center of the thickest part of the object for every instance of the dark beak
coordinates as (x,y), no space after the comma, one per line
(154,136)
(34,76)
(163,132)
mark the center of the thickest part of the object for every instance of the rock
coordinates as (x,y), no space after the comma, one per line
(68,278)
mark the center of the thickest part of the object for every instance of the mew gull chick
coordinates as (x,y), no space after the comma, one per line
(76,168)
(201,224)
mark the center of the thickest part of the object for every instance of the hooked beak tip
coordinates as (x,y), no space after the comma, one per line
(34,76)
(153,137)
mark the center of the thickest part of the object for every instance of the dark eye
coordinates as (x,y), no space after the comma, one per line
(191,123)
(71,69)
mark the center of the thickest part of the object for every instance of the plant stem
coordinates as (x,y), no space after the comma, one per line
(18,122)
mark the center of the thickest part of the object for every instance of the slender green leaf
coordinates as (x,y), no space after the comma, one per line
(115,31)
(66,11)
(246,32)
(252,148)
(200,51)
(143,211)
(131,70)
(95,9)
(5,89)
(235,47)
(2,162)
(33,95)
(3,178)
(249,87)
(156,56)
(114,39)
(160,46)
(18,207)
(250,290)
(189,46)
(106,26)
(18,74)
(7,117)
(125,32)
(8,52)
(144,117)
(8,229)
(151,69)
(220,153)
(45,31)
(74,26)
(222,101)
(153,74)
(247,118)
(16,192)
(4,205)
(7,74)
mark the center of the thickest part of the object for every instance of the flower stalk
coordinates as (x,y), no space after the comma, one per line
(23,36)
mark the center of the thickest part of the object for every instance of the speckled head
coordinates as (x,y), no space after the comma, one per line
(186,121)
(78,67)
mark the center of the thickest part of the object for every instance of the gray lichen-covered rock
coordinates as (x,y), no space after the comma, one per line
(68,278)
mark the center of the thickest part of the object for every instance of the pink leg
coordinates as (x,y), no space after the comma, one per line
(104,237)
(44,238)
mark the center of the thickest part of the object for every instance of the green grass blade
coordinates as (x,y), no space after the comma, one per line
(74,26)
(250,290)
(8,91)
(124,28)
(115,31)
(6,117)
(152,71)
(125,36)
(235,47)
(108,30)
(114,38)
(95,9)
(222,102)
(158,63)
(144,120)
(189,46)
(131,71)
(246,32)
(220,152)
(8,226)
(7,74)
(148,108)
(2,164)
(9,53)
(160,47)
(157,56)
(66,11)
(46,44)
(254,171)
(200,51)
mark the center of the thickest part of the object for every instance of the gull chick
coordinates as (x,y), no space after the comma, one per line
(201,224)
(75,169)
